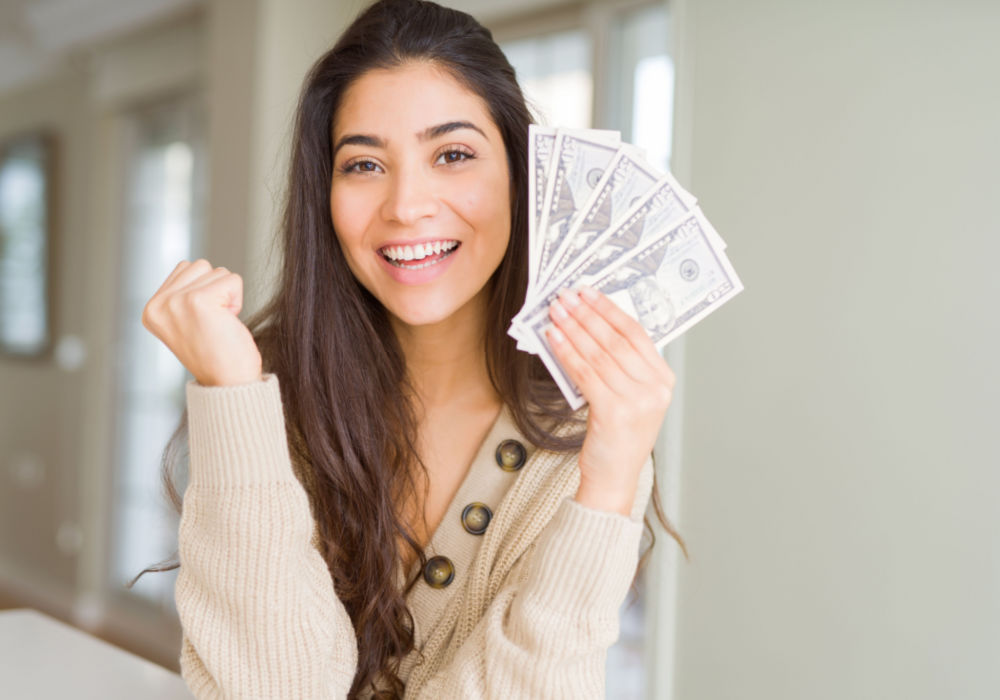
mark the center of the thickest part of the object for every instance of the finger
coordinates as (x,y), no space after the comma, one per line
(171,278)
(631,329)
(220,283)
(236,299)
(176,271)
(185,273)
(610,338)
(181,275)
(586,379)
(590,351)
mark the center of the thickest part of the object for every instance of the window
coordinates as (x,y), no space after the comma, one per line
(24,244)
(555,74)
(161,227)
(644,80)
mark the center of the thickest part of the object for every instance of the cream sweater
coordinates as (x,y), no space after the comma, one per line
(530,613)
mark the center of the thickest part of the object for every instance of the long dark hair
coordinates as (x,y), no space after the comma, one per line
(351,428)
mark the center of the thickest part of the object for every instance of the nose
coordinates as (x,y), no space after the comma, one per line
(409,198)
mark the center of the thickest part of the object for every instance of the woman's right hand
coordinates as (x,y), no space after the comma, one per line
(194,313)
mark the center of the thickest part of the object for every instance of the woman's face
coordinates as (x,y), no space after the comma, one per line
(420,195)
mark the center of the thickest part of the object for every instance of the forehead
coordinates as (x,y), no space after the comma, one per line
(406,100)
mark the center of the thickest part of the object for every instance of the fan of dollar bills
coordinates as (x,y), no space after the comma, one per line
(604,217)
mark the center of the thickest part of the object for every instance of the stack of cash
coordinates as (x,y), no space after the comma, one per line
(601,216)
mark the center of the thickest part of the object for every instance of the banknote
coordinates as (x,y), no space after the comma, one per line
(601,215)
(540,142)
(668,283)
(652,214)
(578,164)
(627,178)
(662,205)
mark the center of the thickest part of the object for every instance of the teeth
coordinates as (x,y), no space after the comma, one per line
(419,251)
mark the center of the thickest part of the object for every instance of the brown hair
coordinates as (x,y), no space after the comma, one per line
(351,429)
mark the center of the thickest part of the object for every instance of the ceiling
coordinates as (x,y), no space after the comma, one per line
(36,36)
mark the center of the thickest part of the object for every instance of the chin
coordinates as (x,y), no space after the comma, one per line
(426,314)
(428,307)
(413,317)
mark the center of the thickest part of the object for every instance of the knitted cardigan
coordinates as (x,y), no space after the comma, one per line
(530,613)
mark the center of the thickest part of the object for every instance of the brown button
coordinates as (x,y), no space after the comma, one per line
(476,517)
(511,455)
(439,572)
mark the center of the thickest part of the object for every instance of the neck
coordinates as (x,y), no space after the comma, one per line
(446,361)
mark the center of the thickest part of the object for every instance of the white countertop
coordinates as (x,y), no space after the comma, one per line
(42,658)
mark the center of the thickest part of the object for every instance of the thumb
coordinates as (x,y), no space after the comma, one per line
(233,294)
(234,303)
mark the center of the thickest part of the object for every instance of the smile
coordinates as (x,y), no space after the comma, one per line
(421,255)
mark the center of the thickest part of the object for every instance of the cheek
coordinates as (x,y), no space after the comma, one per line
(348,219)
(349,227)
(488,203)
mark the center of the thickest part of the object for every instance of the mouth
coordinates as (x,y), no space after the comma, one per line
(421,255)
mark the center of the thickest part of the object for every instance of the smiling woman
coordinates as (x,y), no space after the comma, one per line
(385,497)
(427,175)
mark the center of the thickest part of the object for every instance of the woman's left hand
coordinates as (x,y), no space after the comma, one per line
(616,367)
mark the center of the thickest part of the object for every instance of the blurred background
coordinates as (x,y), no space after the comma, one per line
(831,457)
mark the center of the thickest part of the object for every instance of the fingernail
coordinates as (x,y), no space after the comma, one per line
(555,335)
(570,297)
(557,310)
(588,293)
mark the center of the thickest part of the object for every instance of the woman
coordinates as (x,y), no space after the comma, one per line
(381,380)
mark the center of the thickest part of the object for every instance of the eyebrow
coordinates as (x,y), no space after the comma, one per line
(446,128)
(427,134)
(358,140)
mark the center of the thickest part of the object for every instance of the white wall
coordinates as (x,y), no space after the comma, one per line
(841,463)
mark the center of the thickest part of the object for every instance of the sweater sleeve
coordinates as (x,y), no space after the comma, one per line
(547,632)
(258,610)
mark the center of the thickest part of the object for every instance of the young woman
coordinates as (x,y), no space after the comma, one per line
(384,495)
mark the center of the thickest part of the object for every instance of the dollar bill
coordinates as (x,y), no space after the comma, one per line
(663,204)
(668,284)
(627,178)
(578,165)
(541,143)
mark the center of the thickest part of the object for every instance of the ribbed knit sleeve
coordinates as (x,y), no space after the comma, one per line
(258,609)
(547,632)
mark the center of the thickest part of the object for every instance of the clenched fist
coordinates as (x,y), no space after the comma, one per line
(194,313)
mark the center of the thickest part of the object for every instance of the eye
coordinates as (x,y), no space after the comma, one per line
(360,165)
(454,154)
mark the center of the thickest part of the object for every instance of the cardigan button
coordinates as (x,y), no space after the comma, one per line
(476,517)
(439,572)
(511,455)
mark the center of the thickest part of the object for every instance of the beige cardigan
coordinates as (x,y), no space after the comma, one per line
(531,611)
